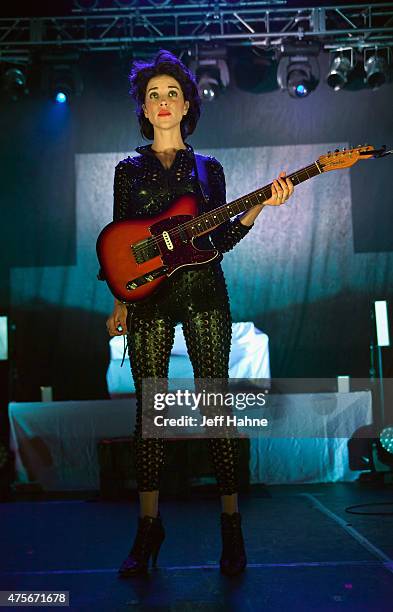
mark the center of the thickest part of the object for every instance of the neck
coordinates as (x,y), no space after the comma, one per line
(165,141)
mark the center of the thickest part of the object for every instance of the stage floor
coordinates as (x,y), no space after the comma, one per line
(304,551)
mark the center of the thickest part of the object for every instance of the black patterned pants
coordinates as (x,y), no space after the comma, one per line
(198,299)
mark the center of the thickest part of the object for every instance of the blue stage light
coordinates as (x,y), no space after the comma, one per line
(301,90)
(61,97)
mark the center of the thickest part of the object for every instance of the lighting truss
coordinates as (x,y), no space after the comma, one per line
(169,22)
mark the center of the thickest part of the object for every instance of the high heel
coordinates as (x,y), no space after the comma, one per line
(233,559)
(149,537)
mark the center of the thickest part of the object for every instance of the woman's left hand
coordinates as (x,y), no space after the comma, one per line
(281,191)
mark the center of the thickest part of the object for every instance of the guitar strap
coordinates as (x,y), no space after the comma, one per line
(201,175)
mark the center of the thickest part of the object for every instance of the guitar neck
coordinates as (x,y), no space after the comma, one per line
(209,220)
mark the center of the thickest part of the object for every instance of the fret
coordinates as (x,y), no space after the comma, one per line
(223,213)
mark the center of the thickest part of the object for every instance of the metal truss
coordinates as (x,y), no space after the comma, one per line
(168,22)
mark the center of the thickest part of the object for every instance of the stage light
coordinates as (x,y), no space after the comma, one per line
(376,69)
(61,97)
(61,79)
(62,83)
(386,438)
(298,69)
(298,81)
(208,87)
(212,74)
(14,83)
(298,76)
(339,71)
(366,452)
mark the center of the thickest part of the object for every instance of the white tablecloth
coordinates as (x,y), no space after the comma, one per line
(56,443)
(249,358)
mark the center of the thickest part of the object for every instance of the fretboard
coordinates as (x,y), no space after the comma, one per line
(209,220)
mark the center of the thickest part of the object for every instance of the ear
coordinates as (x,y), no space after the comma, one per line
(187,106)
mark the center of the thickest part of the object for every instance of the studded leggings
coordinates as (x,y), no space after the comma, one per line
(198,299)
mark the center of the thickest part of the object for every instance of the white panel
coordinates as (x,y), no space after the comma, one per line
(3,339)
(381,320)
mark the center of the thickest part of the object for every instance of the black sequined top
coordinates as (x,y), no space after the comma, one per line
(143,187)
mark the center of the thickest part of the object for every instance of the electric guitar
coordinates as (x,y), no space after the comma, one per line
(137,255)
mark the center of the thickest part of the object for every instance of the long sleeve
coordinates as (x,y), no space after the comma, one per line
(121,199)
(121,192)
(231,232)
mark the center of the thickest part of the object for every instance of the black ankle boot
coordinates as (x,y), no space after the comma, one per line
(148,540)
(233,559)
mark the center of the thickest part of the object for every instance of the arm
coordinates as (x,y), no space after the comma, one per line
(121,192)
(121,199)
(282,189)
(231,232)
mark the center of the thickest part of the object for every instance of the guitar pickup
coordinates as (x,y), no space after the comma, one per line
(144,250)
(146,278)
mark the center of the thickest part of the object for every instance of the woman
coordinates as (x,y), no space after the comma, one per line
(168,109)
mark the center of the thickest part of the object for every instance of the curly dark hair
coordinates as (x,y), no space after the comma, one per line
(164,62)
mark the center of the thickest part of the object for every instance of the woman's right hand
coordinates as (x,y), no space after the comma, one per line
(116,319)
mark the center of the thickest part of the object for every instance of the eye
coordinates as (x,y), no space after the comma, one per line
(153,93)
(173,91)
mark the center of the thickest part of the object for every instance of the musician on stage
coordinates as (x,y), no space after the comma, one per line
(168,110)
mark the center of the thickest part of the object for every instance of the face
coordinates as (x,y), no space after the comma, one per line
(164,104)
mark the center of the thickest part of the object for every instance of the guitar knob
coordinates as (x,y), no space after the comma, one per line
(336,150)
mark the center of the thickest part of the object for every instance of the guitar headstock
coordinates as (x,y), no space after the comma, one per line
(337,159)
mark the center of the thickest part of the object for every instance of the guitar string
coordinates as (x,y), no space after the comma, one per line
(177,230)
(154,240)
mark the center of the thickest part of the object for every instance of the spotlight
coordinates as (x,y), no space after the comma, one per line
(61,78)
(386,439)
(298,75)
(208,86)
(371,452)
(298,80)
(212,73)
(14,83)
(376,69)
(62,83)
(298,69)
(339,70)
(61,97)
